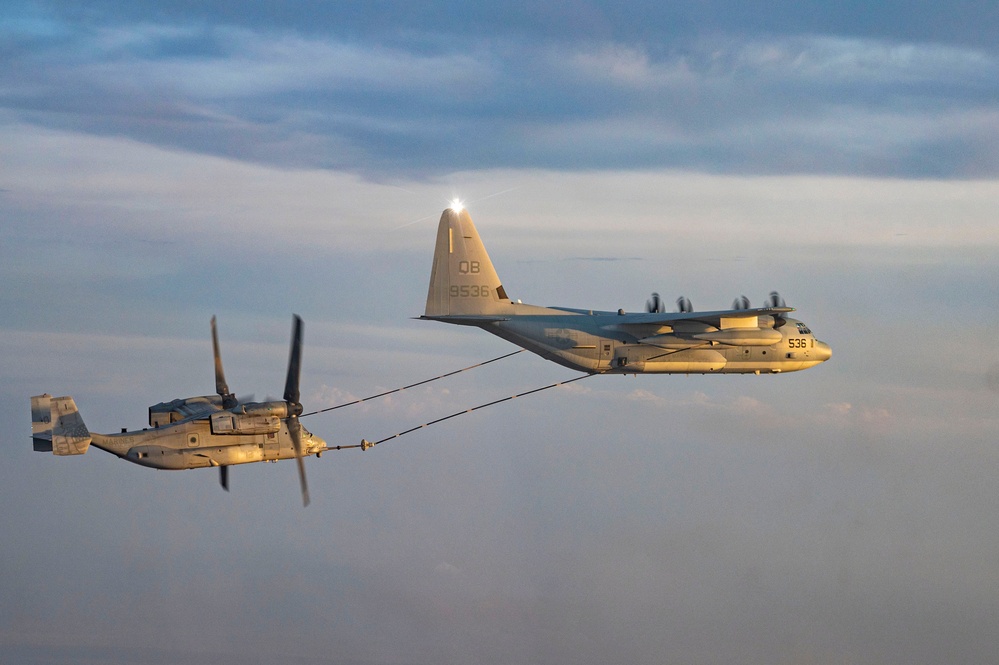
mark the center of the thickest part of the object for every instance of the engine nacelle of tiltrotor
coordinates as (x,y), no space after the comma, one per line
(276,409)
(165,413)
(227,422)
(250,418)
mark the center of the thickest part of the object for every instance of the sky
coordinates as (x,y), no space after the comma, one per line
(161,163)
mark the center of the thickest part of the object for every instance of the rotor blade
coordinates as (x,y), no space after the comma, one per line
(221,387)
(295,429)
(305,485)
(775,300)
(655,305)
(291,393)
(224,477)
(292,397)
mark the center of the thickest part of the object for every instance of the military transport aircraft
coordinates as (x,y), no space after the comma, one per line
(193,432)
(465,290)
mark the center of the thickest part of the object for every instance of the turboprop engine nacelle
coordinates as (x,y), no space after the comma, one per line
(742,336)
(251,418)
(226,422)
(276,409)
(671,342)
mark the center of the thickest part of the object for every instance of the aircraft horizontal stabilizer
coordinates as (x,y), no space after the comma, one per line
(57,426)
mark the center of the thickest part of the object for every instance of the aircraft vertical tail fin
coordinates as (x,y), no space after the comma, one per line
(57,426)
(463,280)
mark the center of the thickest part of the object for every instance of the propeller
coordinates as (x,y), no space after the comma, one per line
(292,399)
(655,305)
(683,305)
(221,387)
(742,302)
(776,300)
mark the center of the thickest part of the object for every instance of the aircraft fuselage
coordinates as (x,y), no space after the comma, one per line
(465,290)
(191,444)
(608,342)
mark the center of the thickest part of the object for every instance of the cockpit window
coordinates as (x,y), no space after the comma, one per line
(803,329)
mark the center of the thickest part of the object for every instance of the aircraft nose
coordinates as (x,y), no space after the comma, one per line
(823,351)
(316,444)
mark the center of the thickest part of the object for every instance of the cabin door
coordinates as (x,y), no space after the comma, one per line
(272,446)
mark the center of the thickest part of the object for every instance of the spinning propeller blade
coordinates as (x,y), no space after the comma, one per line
(775,300)
(291,400)
(295,429)
(221,387)
(292,397)
(291,394)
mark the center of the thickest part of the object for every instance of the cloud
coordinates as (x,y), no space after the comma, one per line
(839,408)
(245,64)
(724,103)
(826,61)
(644,396)
(164,200)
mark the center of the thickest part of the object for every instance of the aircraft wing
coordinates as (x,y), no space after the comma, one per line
(173,411)
(718,318)
(740,327)
(198,409)
(668,318)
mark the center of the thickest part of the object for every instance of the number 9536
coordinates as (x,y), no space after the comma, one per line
(470,291)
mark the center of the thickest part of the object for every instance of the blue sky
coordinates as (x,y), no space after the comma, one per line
(399,89)
(164,162)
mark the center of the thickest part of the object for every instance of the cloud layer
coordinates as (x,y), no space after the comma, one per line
(402,96)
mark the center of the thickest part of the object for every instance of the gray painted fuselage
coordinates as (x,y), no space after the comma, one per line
(465,290)
(190,444)
(608,342)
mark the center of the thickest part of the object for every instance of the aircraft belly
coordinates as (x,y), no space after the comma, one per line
(166,457)
(771,360)
(238,454)
(775,366)
(577,342)
(640,359)
(566,346)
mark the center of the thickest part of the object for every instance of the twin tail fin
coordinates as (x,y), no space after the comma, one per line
(57,426)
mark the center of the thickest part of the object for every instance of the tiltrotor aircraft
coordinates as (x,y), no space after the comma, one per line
(193,432)
(465,290)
